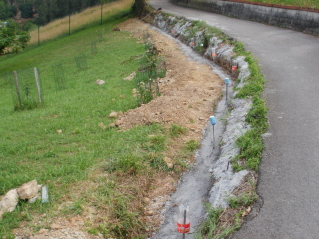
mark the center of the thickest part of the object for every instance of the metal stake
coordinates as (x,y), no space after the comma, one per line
(213,136)
(184,222)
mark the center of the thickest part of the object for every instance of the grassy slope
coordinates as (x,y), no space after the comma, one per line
(89,17)
(31,147)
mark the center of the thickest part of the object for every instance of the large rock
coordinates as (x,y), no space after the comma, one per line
(9,202)
(28,190)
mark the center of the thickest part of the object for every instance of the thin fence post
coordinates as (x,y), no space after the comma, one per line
(69,24)
(16,82)
(38,35)
(69,17)
(36,75)
(101,12)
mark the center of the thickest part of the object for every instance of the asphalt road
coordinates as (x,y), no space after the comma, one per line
(289,172)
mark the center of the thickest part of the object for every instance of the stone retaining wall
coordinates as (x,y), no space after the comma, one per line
(298,19)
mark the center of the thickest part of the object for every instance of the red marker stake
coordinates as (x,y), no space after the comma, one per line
(184,222)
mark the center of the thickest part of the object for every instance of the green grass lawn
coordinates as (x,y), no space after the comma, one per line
(66,140)
(297,3)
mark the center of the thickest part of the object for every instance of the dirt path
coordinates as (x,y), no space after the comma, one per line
(189,93)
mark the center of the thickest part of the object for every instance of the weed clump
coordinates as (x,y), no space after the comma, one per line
(146,79)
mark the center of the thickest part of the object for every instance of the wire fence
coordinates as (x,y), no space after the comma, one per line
(25,88)
(26,84)
(58,75)
(81,62)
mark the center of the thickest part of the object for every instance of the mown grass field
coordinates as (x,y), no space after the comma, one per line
(67,145)
(297,3)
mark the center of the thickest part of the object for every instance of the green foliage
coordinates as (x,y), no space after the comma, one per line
(192,145)
(10,42)
(257,115)
(138,8)
(177,130)
(209,229)
(7,11)
(26,10)
(250,144)
(75,209)
(29,26)
(243,200)
(251,147)
(146,79)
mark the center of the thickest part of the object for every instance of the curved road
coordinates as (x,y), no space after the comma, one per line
(289,172)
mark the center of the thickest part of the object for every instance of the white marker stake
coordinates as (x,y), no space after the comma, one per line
(45,194)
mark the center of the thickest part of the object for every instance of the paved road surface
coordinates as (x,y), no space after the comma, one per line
(289,172)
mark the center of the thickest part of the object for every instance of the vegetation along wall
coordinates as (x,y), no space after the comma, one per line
(299,19)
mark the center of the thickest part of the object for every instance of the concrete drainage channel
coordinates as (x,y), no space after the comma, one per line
(211,179)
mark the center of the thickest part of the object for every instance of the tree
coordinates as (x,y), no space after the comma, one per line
(138,8)
(26,10)
(10,42)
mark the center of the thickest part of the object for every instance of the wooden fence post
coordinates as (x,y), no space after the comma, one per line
(36,75)
(16,82)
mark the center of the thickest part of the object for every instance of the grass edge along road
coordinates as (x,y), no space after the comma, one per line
(296,3)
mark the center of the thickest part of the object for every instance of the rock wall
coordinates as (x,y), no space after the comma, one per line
(299,19)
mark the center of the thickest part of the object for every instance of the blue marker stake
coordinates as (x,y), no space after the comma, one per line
(226,83)
(213,122)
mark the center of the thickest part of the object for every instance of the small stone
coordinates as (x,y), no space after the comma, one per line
(147,200)
(28,190)
(102,126)
(55,227)
(149,213)
(130,77)
(118,122)
(100,82)
(43,231)
(113,114)
(9,202)
(169,162)
(32,200)
(112,125)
